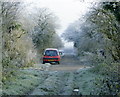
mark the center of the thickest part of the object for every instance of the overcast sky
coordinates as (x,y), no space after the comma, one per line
(67,11)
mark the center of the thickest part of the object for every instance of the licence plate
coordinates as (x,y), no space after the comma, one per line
(50,60)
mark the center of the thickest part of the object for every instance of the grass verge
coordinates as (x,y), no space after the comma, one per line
(22,82)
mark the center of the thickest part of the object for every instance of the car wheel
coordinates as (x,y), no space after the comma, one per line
(43,62)
(58,62)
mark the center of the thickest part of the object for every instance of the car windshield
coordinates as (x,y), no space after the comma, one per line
(51,53)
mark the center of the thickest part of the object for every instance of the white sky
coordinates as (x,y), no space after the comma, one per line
(66,10)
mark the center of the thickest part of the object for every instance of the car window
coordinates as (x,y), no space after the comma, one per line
(51,53)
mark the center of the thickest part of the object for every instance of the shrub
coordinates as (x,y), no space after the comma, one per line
(110,85)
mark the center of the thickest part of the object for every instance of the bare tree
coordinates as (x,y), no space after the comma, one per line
(45,29)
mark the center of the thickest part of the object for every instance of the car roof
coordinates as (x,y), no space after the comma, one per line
(51,49)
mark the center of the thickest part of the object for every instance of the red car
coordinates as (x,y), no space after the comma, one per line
(51,55)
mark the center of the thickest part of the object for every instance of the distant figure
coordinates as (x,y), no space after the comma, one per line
(102,52)
(61,53)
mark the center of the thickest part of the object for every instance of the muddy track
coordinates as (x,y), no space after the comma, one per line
(56,83)
(60,79)
(68,63)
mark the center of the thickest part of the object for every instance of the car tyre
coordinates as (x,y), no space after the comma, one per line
(58,62)
(43,62)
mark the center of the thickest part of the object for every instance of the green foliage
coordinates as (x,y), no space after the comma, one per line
(22,45)
(97,40)
(114,7)
(108,25)
(16,42)
(99,30)
(110,84)
(22,82)
(30,64)
(44,34)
